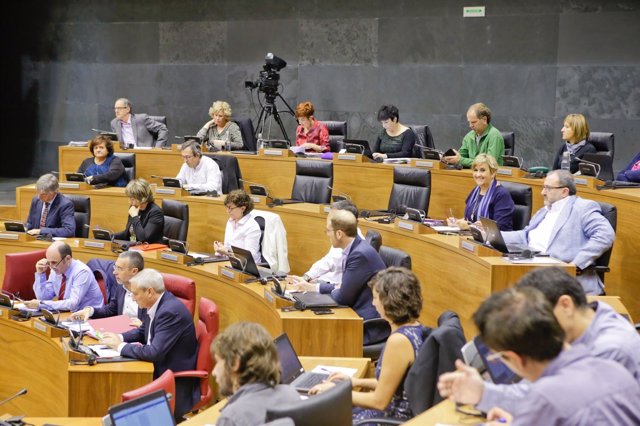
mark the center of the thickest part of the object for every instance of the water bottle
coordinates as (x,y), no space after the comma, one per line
(227,143)
(566,161)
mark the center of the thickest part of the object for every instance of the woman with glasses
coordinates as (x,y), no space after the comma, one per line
(104,167)
(146,219)
(221,130)
(242,230)
(575,132)
(398,299)
(488,199)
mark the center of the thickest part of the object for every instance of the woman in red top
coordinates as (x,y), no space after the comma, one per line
(310,134)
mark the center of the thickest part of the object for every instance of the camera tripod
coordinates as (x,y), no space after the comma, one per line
(270,111)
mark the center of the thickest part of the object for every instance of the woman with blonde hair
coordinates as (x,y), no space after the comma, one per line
(221,131)
(575,132)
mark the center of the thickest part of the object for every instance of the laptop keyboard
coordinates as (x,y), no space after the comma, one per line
(309,380)
(516,248)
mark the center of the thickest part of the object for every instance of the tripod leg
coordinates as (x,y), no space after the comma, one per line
(276,117)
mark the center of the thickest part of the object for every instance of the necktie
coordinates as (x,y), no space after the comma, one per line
(43,218)
(63,287)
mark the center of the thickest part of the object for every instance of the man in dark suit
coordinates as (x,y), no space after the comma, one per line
(50,212)
(361,262)
(167,336)
(121,302)
(137,129)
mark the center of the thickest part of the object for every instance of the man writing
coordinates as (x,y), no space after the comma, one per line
(198,172)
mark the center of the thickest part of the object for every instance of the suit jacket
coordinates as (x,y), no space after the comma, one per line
(144,129)
(148,226)
(61,221)
(585,149)
(581,235)
(173,346)
(116,305)
(362,263)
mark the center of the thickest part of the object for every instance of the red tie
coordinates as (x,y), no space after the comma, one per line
(63,287)
(43,218)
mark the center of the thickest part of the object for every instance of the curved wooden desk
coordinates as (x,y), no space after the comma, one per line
(369,185)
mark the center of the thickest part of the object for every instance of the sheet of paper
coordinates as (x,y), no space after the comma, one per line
(78,326)
(104,351)
(22,307)
(328,369)
(297,149)
(446,228)
(536,261)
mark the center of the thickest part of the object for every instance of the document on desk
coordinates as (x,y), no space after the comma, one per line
(446,228)
(538,260)
(117,324)
(104,351)
(328,369)
(78,326)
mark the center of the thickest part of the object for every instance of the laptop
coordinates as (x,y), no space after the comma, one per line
(604,162)
(15,227)
(242,260)
(499,373)
(358,146)
(291,370)
(171,182)
(151,409)
(494,238)
(74,177)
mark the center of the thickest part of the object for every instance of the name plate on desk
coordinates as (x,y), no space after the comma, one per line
(276,300)
(353,158)
(478,249)
(48,329)
(588,181)
(427,164)
(413,227)
(511,171)
(174,256)
(74,185)
(16,236)
(166,190)
(97,244)
(259,200)
(275,152)
(234,274)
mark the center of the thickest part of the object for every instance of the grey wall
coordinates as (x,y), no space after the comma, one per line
(531,62)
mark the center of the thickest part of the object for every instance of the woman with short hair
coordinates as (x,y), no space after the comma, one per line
(242,229)
(220,130)
(575,132)
(311,134)
(146,219)
(395,140)
(103,167)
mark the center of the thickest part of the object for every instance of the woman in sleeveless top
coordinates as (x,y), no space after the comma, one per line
(398,299)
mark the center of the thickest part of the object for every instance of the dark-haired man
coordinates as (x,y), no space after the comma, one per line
(597,326)
(569,386)
(482,139)
(247,371)
(568,228)
(198,172)
(70,281)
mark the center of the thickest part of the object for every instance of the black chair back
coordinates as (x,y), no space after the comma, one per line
(411,188)
(129,162)
(395,257)
(604,142)
(610,212)
(230,169)
(246,130)
(176,219)
(375,327)
(261,223)
(522,197)
(332,407)
(160,119)
(82,214)
(312,181)
(374,239)
(337,133)
(423,137)
(509,143)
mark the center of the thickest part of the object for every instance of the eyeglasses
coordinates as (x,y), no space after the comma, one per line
(230,208)
(54,265)
(119,108)
(187,157)
(549,188)
(495,356)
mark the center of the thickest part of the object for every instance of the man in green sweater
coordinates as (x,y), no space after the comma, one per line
(482,139)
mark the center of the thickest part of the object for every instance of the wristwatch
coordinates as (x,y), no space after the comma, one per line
(306,277)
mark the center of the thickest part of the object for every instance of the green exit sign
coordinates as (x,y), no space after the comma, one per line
(473,11)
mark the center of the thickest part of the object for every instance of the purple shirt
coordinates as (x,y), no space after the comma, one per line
(579,389)
(609,336)
(81,289)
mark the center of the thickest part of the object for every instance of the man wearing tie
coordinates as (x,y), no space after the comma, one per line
(50,212)
(167,336)
(128,264)
(70,282)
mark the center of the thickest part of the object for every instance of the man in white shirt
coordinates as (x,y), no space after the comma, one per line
(568,228)
(121,302)
(199,173)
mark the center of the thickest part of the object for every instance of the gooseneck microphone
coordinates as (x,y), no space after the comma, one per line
(340,196)
(15,395)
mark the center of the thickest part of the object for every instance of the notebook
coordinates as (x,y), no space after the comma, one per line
(151,409)
(494,237)
(242,260)
(291,370)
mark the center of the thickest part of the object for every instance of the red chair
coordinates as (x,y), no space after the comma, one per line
(19,270)
(183,288)
(206,330)
(101,284)
(165,382)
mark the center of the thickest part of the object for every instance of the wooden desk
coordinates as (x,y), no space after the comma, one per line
(444,413)
(64,421)
(370,184)
(210,415)
(34,361)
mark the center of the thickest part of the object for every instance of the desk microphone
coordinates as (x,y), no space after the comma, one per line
(340,196)
(17,394)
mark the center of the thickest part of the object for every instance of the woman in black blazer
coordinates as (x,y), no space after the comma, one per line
(575,133)
(146,219)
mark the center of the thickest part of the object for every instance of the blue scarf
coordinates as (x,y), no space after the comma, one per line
(480,204)
(100,169)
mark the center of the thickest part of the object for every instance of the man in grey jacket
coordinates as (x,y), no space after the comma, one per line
(138,130)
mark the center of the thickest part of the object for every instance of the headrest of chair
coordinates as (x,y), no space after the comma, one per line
(159,118)
(314,168)
(520,194)
(175,209)
(374,238)
(128,159)
(411,176)
(602,141)
(336,127)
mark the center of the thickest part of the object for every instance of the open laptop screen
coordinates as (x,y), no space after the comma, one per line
(500,374)
(151,409)
(290,366)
